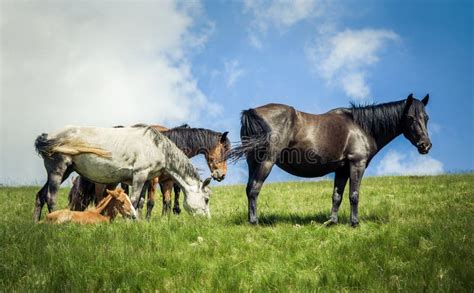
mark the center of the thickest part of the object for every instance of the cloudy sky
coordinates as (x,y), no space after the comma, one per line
(121,62)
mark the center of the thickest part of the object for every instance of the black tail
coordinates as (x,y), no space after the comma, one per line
(253,134)
(43,145)
(82,194)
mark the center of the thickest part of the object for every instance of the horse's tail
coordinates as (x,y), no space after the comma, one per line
(44,146)
(254,132)
(81,194)
(48,147)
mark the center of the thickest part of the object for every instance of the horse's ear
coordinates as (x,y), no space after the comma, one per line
(409,102)
(206,182)
(426,99)
(224,137)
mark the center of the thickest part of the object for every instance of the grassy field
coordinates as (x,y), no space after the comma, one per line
(416,234)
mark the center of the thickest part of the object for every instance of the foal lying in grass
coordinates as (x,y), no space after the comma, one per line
(116,200)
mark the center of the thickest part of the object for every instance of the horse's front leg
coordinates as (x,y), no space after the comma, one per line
(356,172)
(151,197)
(138,182)
(340,180)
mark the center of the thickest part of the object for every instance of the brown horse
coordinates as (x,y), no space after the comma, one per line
(192,141)
(116,200)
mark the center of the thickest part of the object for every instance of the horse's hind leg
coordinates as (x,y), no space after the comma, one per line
(258,172)
(58,170)
(55,177)
(40,201)
(176,208)
(342,175)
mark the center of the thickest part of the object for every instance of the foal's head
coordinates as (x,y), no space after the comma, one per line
(216,158)
(415,122)
(121,202)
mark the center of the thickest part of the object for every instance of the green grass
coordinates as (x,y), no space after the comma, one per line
(416,234)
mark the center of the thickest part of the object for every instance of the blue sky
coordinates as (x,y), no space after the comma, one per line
(432,54)
(108,63)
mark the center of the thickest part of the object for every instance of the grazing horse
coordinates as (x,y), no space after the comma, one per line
(108,155)
(343,141)
(192,141)
(116,200)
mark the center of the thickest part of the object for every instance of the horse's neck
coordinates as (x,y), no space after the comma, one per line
(191,148)
(187,183)
(178,165)
(103,204)
(384,135)
(383,139)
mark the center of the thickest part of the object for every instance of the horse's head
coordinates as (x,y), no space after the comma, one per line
(216,158)
(415,122)
(196,199)
(123,203)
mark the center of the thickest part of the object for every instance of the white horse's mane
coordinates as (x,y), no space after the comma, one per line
(175,155)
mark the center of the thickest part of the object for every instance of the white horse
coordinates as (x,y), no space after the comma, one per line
(110,155)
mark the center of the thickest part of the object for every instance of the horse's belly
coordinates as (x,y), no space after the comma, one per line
(310,170)
(102,170)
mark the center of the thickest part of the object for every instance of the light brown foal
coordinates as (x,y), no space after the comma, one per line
(116,200)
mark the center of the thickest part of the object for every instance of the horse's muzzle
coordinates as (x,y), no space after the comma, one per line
(218,176)
(424,147)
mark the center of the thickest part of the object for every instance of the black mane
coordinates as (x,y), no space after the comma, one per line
(195,139)
(378,119)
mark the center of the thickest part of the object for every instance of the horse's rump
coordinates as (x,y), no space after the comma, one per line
(254,133)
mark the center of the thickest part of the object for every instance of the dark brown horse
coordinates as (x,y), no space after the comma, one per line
(192,141)
(343,141)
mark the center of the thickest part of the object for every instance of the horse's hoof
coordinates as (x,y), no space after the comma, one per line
(354,225)
(253,222)
(329,223)
(176,211)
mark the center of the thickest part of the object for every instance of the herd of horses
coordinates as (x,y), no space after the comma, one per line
(343,141)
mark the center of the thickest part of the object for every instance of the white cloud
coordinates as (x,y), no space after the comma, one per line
(281,14)
(343,58)
(395,163)
(94,63)
(233,72)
